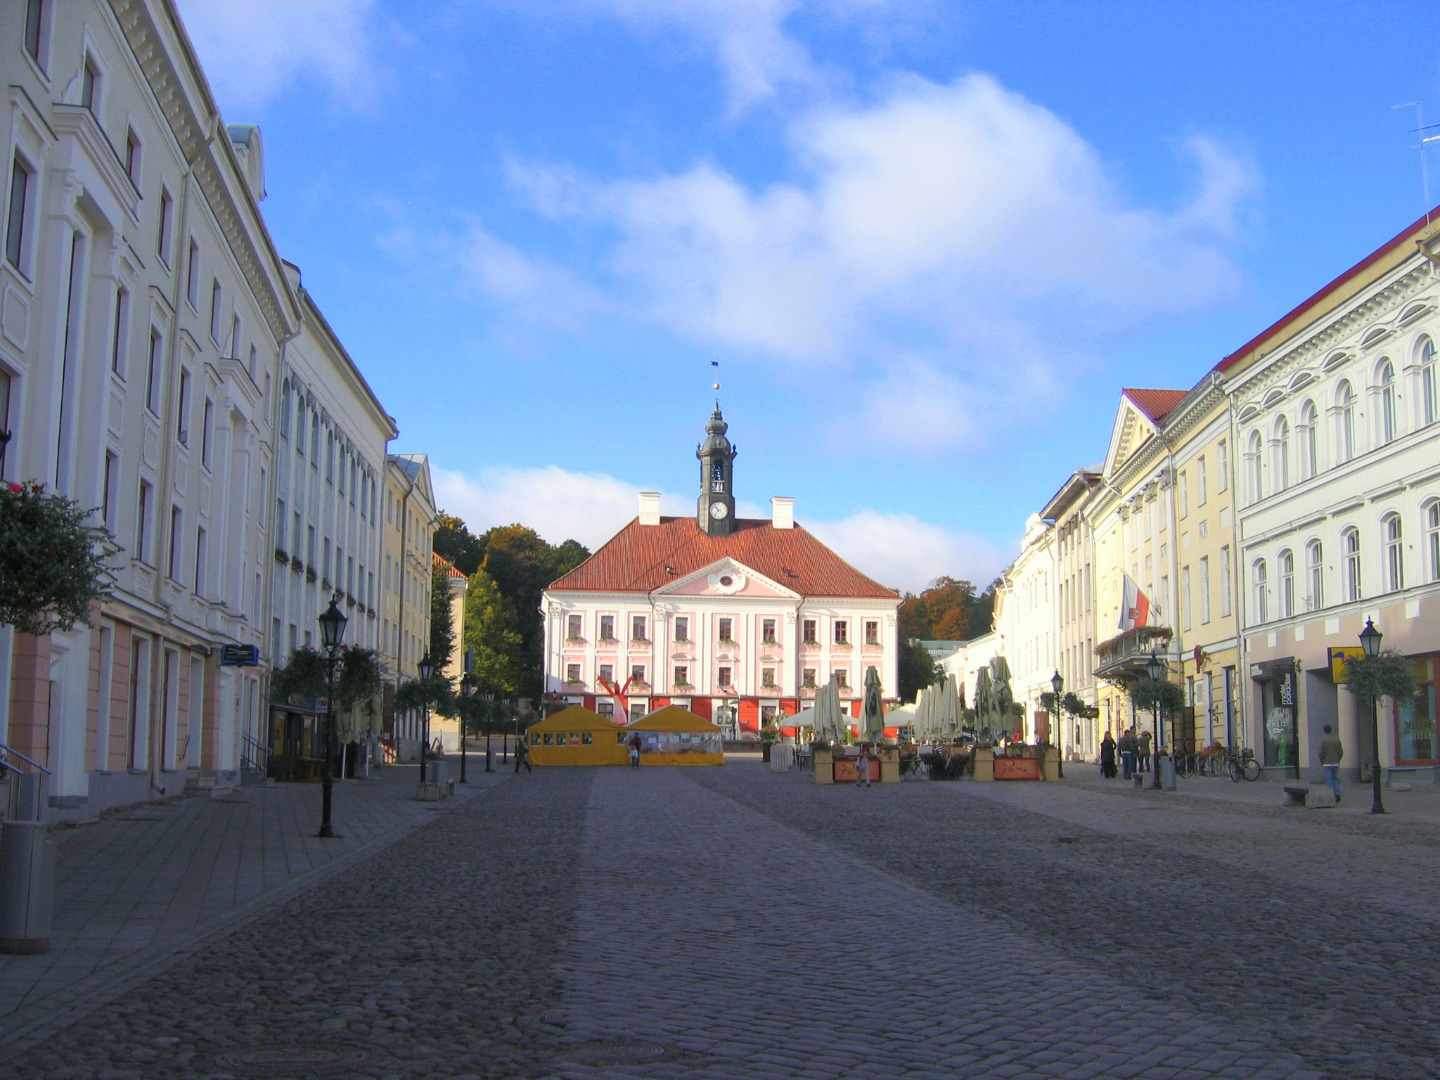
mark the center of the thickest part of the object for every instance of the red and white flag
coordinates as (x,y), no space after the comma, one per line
(1134,606)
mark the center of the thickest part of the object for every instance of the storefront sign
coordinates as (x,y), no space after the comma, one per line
(1338,655)
(239,655)
(1024,768)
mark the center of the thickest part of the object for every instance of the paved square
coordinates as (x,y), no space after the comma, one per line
(732,922)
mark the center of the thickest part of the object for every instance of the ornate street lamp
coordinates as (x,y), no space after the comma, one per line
(332,633)
(1370,642)
(1156,669)
(1057,684)
(426,670)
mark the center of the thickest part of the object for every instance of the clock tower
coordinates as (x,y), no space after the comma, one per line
(716,507)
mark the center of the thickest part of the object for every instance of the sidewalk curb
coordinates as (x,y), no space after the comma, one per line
(58,1010)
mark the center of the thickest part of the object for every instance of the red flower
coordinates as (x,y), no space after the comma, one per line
(17,489)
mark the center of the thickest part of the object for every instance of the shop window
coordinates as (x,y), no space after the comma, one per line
(587,738)
(1415,741)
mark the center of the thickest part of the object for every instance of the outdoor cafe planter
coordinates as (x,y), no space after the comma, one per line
(838,767)
(1020,762)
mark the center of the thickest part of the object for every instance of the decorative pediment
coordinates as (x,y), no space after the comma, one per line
(725,578)
(1132,430)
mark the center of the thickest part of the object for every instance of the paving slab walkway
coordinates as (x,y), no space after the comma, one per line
(139,885)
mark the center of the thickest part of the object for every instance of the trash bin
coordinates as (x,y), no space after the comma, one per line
(1165,764)
(27,870)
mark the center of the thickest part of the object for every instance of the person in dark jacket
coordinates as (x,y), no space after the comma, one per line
(1129,745)
(1144,752)
(1331,753)
(1107,757)
(522,755)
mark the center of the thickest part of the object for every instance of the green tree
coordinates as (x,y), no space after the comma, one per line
(442,629)
(917,669)
(1390,674)
(52,563)
(950,609)
(454,541)
(490,630)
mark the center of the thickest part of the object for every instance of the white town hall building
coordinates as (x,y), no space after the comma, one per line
(737,620)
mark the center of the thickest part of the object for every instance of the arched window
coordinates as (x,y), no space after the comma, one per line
(1260,590)
(1344,422)
(1351,540)
(1280,456)
(299,424)
(1286,563)
(1432,538)
(1315,565)
(285,408)
(1386,379)
(1307,458)
(1429,402)
(1394,554)
(1253,467)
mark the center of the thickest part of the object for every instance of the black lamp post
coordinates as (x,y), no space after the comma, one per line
(489,724)
(426,670)
(1370,640)
(1156,669)
(332,633)
(467,688)
(1058,685)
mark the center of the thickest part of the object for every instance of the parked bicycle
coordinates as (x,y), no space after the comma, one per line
(1242,766)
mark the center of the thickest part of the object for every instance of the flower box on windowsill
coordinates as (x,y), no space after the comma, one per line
(683,687)
(610,640)
(640,687)
(771,640)
(842,644)
(639,641)
(296,566)
(574,641)
(575,682)
(310,575)
(325,585)
(726,640)
(769,686)
(281,556)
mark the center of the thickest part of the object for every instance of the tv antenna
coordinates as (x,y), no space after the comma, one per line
(1420,128)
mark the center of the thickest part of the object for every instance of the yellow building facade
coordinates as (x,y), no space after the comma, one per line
(408,529)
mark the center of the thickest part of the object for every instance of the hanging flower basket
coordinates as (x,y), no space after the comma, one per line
(52,563)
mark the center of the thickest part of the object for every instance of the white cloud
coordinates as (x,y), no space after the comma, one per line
(253,49)
(906,553)
(898,550)
(962,220)
(747,38)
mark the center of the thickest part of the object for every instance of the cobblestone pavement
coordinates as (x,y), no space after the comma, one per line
(581,924)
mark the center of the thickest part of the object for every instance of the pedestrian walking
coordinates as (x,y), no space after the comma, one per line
(522,755)
(1128,747)
(635,750)
(1145,752)
(1107,757)
(862,766)
(1331,752)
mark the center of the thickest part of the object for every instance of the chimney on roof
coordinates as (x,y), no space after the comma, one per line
(649,508)
(782,512)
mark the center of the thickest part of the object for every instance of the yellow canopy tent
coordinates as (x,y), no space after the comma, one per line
(576,736)
(676,736)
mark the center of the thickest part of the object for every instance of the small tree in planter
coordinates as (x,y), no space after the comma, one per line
(52,564)
(1157,695)
(1387,674)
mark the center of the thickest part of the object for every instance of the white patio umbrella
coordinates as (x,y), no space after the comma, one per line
(827,711)
(924,714)
(947,719)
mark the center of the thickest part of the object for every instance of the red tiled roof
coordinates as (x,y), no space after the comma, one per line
(642,558)
(1415,230)
(440,560)
(1156,404)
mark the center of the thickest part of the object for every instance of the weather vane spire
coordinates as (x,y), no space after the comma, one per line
(716,365)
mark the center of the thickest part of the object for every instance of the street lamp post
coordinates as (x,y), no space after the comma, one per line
(467,687)
(1058,685)
(1370,640)
(426,670)
(1156,669)
(332,633)
(489,724)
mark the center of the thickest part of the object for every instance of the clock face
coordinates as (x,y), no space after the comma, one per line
(718,510)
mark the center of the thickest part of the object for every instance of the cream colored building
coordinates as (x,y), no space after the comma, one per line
(407,555)
(446,728)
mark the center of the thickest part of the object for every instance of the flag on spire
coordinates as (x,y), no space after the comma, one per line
(1134,606)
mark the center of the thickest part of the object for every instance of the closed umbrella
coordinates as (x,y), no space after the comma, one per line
(984,703)
(1004,698)
(827,711)
(872,714)
(948,718)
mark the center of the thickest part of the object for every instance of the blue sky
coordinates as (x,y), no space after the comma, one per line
(928,241)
